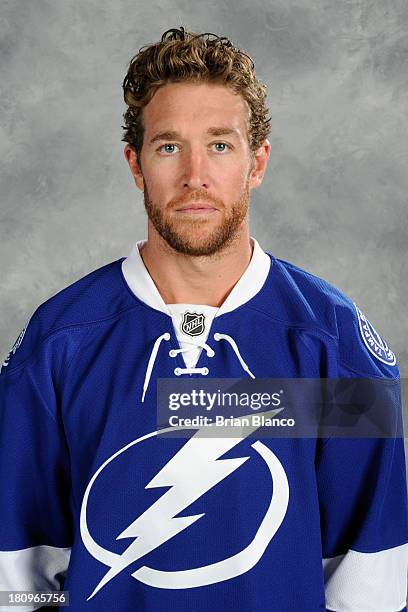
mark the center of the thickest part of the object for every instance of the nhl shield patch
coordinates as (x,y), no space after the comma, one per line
(373,341)
(193,323)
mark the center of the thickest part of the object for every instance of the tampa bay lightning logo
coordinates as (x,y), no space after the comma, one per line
(373,341)
(195,469)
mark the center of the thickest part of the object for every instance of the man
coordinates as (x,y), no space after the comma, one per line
(93,499)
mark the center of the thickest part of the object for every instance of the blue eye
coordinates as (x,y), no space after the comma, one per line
(169,147)
(223,144)
(169,144)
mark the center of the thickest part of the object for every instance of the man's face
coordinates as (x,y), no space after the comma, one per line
(195,166)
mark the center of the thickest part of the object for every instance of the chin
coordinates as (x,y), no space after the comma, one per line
(199,244)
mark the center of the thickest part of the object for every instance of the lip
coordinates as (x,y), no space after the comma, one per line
(196,207)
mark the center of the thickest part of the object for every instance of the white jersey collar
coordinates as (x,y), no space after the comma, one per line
(142,285)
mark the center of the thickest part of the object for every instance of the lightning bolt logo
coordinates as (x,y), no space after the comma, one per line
(192,471)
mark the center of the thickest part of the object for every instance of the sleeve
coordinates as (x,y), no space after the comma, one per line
(35,516)
(363,502)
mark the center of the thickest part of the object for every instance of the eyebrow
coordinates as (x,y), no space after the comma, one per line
(213,131)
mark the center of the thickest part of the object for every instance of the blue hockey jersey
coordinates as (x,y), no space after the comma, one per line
(95,501)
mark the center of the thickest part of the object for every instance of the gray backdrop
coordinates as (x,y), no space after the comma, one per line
(334,200)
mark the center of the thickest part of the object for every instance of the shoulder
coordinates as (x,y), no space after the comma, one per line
(318,306)
(98,297)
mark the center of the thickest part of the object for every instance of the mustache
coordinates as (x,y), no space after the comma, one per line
(195,197)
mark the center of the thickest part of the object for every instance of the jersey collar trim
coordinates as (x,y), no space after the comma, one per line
(142,285)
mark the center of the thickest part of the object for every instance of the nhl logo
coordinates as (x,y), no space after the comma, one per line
(373,341)
(193,323)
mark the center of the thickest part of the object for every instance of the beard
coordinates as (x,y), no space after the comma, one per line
(198,237)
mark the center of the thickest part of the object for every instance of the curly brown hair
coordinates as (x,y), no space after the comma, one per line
(183,56)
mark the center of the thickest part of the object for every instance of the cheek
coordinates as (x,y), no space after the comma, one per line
(227,183)
(238,181)
(157,186)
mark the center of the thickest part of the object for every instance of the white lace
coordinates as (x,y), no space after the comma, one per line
(194,345)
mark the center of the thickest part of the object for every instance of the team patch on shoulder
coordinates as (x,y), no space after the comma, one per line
(373,341)
(15,346)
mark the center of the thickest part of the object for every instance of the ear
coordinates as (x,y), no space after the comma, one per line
(259,163)
(131,157)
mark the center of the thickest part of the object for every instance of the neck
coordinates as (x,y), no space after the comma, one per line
(183,279)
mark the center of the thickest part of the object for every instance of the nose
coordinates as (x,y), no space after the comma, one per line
(195,171)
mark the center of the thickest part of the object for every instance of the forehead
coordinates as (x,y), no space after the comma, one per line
(194,106)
